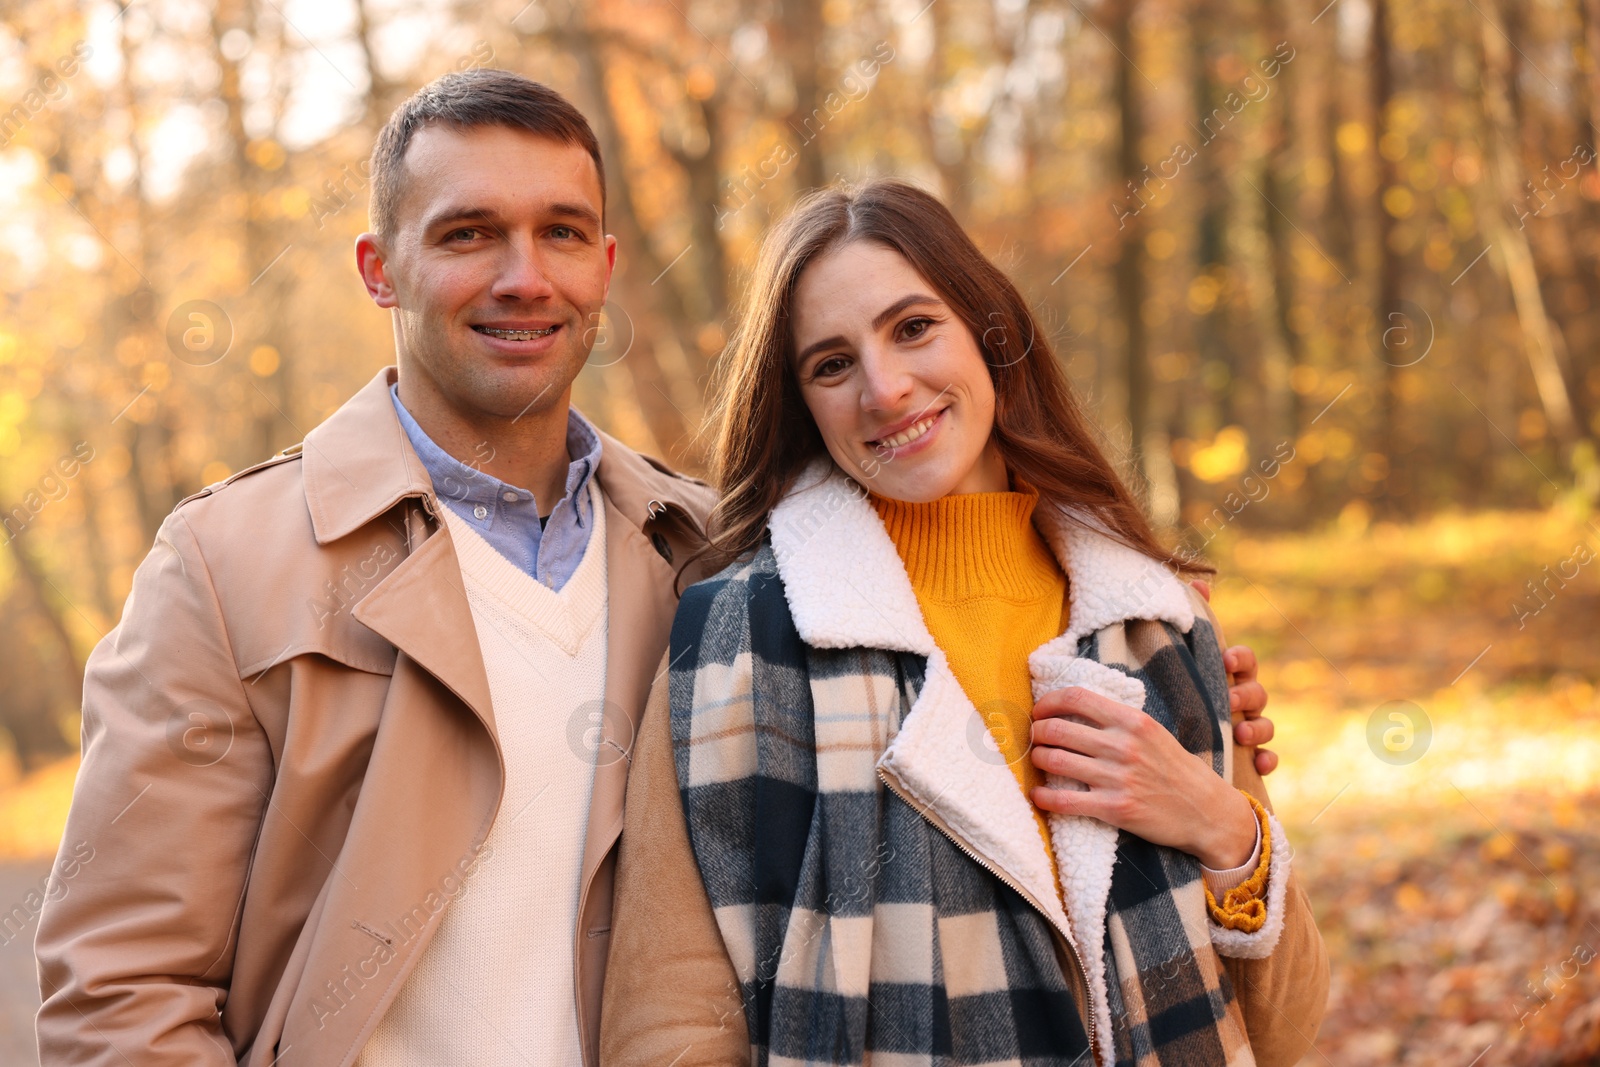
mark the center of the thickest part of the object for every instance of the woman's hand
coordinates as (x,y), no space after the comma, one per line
(1247,695)
(1140,778)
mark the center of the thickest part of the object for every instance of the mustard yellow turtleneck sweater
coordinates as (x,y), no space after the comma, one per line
(991,592)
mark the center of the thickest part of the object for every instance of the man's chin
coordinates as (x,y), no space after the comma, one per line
(514,388)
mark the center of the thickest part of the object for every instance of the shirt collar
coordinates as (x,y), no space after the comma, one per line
(458,481)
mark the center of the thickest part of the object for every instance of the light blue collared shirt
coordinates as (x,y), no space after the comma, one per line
(508,517)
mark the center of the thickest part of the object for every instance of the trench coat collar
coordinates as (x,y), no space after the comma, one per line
(359,464)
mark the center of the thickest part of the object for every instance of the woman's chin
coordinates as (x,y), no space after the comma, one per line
(913,486)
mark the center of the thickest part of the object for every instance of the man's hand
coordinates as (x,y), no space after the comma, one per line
(1246,694)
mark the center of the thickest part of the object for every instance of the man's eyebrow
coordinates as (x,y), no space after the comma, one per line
(909,300)
(491,217)
(575,211)
(464,213)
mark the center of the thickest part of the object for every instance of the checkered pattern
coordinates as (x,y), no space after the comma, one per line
(1170,996)
(856,926)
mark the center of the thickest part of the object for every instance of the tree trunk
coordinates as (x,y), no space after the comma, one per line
(1541,338)
(53,607)
(380,97)
(953,161)
(1210,186)
(638,264)
(710,286)
(801,27)
(1282,401)
(1395,332)
(1130,255)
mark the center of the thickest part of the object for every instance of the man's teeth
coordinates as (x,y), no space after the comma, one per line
(909,434)
(516,335)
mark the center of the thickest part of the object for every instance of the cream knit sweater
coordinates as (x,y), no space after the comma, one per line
(495,985)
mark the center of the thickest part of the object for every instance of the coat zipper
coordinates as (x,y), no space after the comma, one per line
(939,825)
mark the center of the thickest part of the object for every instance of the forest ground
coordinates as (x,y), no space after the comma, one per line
(1458,893)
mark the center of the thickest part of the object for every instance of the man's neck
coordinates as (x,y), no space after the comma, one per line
(528,451)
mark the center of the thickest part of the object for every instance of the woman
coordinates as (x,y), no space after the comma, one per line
(928,789)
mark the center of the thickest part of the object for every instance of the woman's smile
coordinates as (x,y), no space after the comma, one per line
(918,437)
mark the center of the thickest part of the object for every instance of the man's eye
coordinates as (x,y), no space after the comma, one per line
(466,233)
(563,232)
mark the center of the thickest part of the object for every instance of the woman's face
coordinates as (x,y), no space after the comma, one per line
(893,378)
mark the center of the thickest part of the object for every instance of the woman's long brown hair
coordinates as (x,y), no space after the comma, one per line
(765,436)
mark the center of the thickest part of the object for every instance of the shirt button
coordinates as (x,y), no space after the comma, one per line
(508,496)
(480,512)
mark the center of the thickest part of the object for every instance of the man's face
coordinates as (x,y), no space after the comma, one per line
(497,269)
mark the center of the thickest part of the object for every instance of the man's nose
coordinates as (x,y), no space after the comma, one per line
(521,274)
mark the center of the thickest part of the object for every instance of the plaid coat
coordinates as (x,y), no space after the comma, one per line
(873,868)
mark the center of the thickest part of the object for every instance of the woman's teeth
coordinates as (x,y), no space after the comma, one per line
(516,335)
(909,434)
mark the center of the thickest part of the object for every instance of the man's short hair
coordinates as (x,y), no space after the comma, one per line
(462,100)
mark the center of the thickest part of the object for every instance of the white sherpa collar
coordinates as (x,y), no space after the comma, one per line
(848,588)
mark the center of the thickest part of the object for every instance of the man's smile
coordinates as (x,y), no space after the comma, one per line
(517,334)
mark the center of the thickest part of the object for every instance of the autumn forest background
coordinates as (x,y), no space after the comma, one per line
(1326,272)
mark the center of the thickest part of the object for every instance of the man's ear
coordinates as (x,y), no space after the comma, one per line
(374,271)
(611,263)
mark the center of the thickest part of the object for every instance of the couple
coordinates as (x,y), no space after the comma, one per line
(355,758)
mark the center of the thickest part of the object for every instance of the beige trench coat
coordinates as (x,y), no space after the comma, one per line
(290,759)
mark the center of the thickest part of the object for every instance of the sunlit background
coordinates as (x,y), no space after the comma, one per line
(1326,272)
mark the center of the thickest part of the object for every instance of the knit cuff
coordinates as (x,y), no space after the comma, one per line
(1243,906)
(1219,882)
(1237,944)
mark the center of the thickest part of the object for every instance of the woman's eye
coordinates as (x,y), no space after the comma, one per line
(912,329)
(828,367)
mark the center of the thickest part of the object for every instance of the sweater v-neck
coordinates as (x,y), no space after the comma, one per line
(565,615)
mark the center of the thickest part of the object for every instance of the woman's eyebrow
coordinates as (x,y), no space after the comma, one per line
(910,300)
(907,301)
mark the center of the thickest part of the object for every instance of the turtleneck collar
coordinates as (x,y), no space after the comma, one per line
(972,544)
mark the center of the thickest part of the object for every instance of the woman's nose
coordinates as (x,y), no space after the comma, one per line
(886,381)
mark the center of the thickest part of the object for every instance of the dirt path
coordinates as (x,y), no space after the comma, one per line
(19,989)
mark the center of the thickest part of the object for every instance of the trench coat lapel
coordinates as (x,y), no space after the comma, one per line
(435,775)
(421,609)
(641,602)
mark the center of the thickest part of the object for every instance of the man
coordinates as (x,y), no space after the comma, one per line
(355,757)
